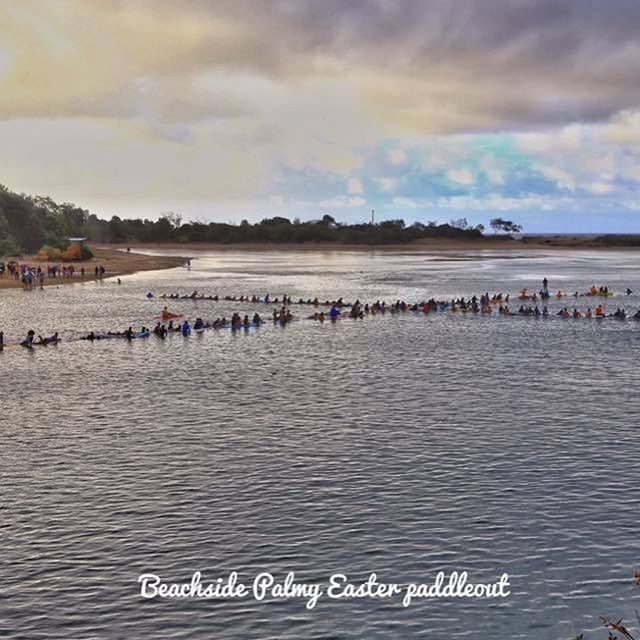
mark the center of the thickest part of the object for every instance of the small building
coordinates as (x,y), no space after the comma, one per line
(77,241)
(75,249)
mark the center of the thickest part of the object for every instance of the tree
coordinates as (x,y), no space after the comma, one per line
(117,230)
(398,223)
(174,219)
(328,220)
(460,223)
(276,220)
(8,247)
(498,224)
(163,230)
(29,222)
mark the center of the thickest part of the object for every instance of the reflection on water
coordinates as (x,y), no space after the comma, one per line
(401,444)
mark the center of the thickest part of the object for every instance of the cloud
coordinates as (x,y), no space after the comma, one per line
(461,176)
(631,172)
(489,166)
(343,201)
(429,66)
(561,177)
(601,187)
(402,202)
(566,139)
(397,156)
(624,130)
(354,186)
(237,100)
(387,185)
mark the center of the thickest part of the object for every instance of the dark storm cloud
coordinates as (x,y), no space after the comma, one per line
(431,65)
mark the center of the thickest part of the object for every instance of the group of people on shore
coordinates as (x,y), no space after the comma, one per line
(35,277)
(31,277)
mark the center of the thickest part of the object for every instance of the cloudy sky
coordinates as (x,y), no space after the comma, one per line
(421,109)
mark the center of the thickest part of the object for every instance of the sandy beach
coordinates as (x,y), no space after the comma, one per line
(116,263)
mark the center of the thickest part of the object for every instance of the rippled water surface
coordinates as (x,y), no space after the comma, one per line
(403,444)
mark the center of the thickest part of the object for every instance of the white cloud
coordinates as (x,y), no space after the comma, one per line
(603,164)
(343,201)
(397,156)
(561,177)
(497,202)
(631,172)
(387,185)
(624,130)
(601,188)
(461,176)
(434,160)
(562,140)
(405,203)
(490,167)
(354,186)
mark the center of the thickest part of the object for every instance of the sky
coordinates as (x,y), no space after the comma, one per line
(244,109)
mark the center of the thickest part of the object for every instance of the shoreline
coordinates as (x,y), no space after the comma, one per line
(117,263)
(435,245)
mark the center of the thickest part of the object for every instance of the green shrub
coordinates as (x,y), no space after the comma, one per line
(49,252)
(9,247)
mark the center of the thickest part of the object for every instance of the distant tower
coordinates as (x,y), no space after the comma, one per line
(373,216)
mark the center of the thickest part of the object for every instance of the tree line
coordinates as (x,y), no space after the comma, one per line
(29,222)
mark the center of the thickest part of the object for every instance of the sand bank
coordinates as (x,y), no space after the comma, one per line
(432,245)
(116,263)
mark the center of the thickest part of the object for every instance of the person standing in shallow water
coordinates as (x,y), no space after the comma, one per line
(28,341)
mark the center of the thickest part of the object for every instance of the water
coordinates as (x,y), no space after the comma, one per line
(398,444)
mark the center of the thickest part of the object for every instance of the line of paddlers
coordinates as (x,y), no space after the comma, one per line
(497,298)
(200,326)
(267,299)
(356,311)
(482,305)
